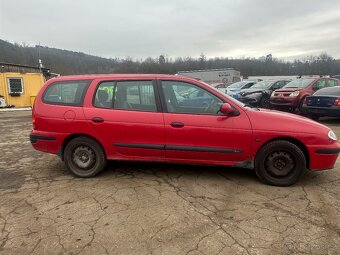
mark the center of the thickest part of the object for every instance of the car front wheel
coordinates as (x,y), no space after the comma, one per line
(280,163)
(84,157)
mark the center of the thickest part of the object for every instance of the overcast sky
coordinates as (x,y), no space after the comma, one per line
(142,28)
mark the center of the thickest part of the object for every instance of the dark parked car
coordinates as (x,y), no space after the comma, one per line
(259,94)
(292,96)
(325,102)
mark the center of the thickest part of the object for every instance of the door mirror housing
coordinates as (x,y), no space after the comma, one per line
(226,109)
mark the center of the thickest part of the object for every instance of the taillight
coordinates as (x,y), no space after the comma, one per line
(33,120)
(33,117)
(337,101)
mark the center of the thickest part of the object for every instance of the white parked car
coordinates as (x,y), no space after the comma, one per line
(234,89)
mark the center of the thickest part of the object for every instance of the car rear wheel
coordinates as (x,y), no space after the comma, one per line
(280,163)
(84,157)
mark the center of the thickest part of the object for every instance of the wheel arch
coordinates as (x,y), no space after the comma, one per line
(73,136)
(294,141)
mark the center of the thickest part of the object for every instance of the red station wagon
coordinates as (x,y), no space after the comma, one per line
(90,119)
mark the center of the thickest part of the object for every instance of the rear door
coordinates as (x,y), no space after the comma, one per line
(196,132)
(126,115)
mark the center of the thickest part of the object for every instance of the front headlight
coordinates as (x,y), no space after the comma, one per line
(332,136)
(294,94)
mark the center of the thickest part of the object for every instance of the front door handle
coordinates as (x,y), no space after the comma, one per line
(97,120)
(177,124)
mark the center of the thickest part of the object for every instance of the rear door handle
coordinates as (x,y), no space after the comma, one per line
(177,124)
(97,120)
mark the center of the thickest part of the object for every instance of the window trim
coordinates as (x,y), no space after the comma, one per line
(154,85)
(80,104)
(9,85)
(165,109)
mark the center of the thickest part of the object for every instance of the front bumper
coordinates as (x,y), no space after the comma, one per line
(250,100)
(323,157)
(285,101)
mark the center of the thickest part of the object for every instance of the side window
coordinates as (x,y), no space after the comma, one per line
(66,93)
(331,83)
(277,85)
(248,85)
(182,97)
(104,95)
(320,84)
(126,95)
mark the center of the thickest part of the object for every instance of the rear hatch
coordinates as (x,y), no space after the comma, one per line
(320,101)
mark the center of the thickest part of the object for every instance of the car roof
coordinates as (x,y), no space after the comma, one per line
(109,76)
(120,76)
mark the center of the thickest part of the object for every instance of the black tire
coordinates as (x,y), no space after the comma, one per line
(280,163)
(84,157)
(265,103)
(300,108)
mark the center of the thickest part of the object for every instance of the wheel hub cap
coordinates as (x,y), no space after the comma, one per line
(279,164)
(84,157)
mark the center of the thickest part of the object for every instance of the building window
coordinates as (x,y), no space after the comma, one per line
(15,86)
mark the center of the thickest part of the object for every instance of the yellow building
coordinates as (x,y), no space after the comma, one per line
(19,84)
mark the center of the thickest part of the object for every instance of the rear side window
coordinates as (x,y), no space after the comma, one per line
(66,93)
(331,83)
(126,95)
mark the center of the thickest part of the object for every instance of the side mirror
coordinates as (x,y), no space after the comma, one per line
(226,109)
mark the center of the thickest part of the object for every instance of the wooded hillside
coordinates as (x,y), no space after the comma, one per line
(69,62)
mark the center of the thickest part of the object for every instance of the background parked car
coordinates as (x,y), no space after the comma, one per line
(259,94)
(324,102)
(220,86)
(195,98)
(234,89)
(292,95)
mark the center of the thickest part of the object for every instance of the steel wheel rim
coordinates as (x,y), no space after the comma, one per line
(84,157)
(280,164)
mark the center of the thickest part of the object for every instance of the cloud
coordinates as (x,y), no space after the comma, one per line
(177,28)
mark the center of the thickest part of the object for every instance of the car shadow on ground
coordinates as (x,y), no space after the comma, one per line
(152,171)
(329,120)
(175,170)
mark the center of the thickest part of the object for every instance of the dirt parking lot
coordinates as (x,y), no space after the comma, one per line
(146,208)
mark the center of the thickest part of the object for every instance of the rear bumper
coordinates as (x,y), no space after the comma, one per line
(46,141)
(35,138)
(333,111)
(323,157)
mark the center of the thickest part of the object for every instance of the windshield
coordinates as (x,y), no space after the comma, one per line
(262,85)
(299,83)
(238,84)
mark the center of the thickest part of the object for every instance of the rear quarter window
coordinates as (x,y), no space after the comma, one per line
(66,93)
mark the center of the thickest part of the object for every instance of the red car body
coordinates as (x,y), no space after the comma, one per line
(214,139)
(281,98)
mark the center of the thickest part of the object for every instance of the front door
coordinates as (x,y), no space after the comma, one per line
(127,119)
(196,131)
